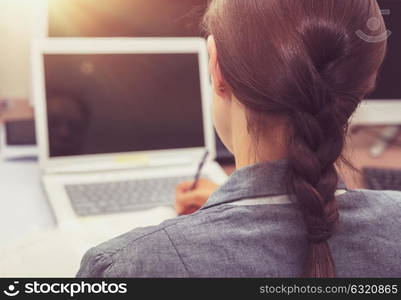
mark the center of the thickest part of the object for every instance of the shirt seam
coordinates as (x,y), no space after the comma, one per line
(113,263)
(176,251)
(112,269)
(137,239)
(130,243)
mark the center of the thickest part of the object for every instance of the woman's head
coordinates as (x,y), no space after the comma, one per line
(298,70)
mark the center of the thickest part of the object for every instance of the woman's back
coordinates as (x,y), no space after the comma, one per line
(249,228)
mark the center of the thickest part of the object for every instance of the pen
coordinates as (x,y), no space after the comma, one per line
(198,172)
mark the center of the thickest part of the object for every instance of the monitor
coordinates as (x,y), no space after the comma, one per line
(383,106)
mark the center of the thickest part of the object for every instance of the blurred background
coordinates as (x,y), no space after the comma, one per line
(29,229)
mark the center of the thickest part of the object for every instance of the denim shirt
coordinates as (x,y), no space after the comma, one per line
(250,227)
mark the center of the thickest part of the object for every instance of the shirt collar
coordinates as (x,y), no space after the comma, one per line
(260,180)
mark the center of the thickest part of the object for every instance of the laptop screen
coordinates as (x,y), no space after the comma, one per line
(116,103)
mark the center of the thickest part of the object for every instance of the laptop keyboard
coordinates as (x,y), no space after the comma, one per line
(123,196)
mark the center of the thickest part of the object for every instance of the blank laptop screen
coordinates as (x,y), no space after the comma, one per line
(115,103)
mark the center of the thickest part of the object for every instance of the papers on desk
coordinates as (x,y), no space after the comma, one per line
(51,253)
(58,252)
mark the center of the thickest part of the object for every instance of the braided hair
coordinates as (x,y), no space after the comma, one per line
(302,61)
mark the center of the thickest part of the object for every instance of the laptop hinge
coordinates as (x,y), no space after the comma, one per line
(120,165)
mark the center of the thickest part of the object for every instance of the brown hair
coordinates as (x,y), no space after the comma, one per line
(302,60)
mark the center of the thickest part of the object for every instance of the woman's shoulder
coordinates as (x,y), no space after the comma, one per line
(131,254)
(363,202)
(386,198)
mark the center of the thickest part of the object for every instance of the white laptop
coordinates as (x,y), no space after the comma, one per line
(119,123)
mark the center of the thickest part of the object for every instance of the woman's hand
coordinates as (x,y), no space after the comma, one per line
(188,201)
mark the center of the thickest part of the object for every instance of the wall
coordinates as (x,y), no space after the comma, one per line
(20,21)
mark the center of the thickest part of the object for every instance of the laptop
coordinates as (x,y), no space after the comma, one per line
(120,122)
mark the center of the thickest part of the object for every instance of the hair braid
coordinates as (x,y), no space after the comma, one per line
(306,67)
(315,146)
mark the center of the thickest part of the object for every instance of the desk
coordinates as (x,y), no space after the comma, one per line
(357,152)
(24,208)
(31,245)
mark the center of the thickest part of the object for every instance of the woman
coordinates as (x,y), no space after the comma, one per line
(287,76)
